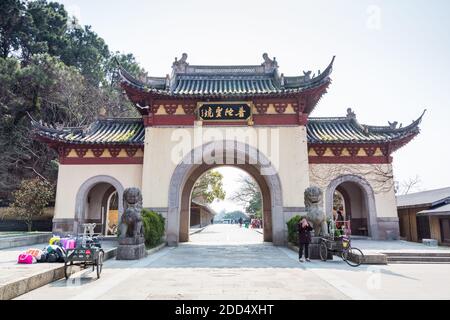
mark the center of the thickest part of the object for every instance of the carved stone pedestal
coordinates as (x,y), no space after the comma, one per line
(314,249)
(131,248)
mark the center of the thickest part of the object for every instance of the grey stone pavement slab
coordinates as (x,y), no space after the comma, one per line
(11,270)
(227,262)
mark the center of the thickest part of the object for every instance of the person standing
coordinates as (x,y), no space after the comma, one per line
(240,222)
(339,220)
(304,238)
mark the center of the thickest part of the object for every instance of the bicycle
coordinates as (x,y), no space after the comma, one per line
(340,246)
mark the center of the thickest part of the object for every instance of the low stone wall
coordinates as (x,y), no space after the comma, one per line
(24,240)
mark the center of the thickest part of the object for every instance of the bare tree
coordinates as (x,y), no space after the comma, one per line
(380,176)
(248,195)
(409,185)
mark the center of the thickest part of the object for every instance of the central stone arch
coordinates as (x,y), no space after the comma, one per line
(250,160)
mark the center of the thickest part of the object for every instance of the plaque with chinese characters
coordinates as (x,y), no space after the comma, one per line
(224,111)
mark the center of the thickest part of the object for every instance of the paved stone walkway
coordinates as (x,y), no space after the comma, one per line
(221,262)
(228,262)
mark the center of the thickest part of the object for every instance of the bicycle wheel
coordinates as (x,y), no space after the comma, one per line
(68,266)
(100,263)
(323,251)
(353,256)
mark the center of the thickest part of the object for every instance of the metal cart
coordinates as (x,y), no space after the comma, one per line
(340,246)
(88,252)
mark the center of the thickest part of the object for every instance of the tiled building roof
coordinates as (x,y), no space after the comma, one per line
(349,130)
(427,198)
(319,130)
(106,131)
(200,80)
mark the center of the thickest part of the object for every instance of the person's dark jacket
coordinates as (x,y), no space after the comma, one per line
(304,233)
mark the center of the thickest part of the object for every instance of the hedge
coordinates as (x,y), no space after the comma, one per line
(292,228)
(153,227)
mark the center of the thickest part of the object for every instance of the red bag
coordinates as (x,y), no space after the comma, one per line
(25,258)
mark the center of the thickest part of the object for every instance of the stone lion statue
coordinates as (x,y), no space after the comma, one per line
(315,213)
(131,222)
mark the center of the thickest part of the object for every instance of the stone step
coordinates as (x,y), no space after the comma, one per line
(414,259)
(417,262)
(417,254)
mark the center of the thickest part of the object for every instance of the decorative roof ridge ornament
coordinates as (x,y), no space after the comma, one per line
(350,114)
(167,81)
(306,75)
(270,65)
(180,66)
(40,125)
(392,127)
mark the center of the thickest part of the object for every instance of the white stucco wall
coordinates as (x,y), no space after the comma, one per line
(166,146)
(71,177)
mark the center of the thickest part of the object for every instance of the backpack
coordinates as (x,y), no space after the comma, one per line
(61,254)
(25,258)
(52,257)
(43,257)
(55,253)
(36,253)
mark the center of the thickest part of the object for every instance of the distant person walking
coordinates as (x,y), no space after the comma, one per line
(304,238)
(240,222)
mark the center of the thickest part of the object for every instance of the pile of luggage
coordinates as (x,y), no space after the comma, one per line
(55,251)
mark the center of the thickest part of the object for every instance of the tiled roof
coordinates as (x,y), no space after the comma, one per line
(200,80)
(438,211)
(348,129)
(319,130)
(423,198)
(107,131)
(231,85)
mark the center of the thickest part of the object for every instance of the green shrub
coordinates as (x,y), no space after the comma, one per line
(153,227)
(292,228)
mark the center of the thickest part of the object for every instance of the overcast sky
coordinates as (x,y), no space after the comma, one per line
(392,57)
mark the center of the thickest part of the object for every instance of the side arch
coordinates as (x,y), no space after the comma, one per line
(369,199)
(249,156)
(83,191)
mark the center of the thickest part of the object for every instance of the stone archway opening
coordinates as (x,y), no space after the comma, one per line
(353,208)
(102,208)
(99,201)
(354,198)
(244,157)
(232,208)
